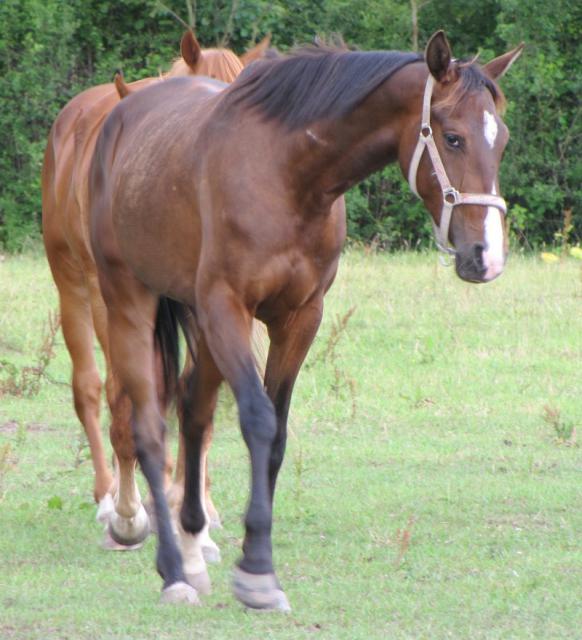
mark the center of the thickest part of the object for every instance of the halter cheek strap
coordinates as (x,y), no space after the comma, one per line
(451,197)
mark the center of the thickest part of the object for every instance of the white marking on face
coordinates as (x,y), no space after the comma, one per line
(490,128)
(494,254)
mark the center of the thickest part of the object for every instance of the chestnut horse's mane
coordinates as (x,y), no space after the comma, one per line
(317,82)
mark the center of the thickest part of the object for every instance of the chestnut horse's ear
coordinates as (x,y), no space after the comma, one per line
(119,82)
(499,66)
(257,52)
(190,49)
(438,56)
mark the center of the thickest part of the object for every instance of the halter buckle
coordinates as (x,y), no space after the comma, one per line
(451,196)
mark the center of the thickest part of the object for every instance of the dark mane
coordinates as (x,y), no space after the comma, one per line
(314,82)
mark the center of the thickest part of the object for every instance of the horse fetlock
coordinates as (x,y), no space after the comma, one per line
(132,530)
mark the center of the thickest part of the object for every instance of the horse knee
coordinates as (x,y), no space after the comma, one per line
(257,419)
(86,392)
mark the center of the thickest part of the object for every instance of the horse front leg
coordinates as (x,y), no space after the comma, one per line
(226,325)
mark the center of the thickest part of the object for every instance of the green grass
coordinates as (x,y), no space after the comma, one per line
(428,491)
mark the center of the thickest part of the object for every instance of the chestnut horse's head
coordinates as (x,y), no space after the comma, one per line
(452,157)
(221,64)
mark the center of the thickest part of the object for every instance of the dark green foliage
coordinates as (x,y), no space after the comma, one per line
(52,49)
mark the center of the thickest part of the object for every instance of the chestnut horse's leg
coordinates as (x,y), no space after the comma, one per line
(197,409)
(78,332)
(131,319)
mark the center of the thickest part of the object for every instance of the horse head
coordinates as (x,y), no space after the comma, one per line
(452,153)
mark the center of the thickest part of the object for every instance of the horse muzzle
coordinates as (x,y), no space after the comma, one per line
(474,263)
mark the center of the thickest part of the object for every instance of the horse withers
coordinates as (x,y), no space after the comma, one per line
(226,204)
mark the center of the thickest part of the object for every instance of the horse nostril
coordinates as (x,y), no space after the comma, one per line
(478,250)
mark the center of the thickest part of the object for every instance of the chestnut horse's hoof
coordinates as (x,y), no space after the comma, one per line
(210,549)
(179,593)
(129,531)
(260,592)
(109,543)
(105,509)
(200,582)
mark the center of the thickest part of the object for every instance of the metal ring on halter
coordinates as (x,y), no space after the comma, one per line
(451,192)
(426,131)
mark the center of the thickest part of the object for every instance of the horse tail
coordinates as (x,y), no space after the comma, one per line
(170,317)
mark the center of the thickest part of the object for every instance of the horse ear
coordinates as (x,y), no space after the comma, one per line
(120,84)
(257,52)
(499,66)
(190,49)
(438,56)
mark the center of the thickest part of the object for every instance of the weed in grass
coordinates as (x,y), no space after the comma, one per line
(81,450)
(6,464)
(564,429)
(402,539)
(329,354)
(299,468)
(26,381)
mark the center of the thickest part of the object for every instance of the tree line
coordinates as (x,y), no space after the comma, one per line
(50,50)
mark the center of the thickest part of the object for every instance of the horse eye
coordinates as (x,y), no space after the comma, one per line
(454,141)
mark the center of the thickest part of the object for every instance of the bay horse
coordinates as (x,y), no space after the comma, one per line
(65,216)
(223,204)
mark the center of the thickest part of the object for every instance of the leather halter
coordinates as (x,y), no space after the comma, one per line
(451,197)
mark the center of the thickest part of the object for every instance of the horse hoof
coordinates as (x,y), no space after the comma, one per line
(109,544)
(211,553)
(179,593)
(200,582)
(105,509)
(259,591)
(129,531)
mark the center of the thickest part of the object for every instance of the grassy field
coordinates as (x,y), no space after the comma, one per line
(432,486)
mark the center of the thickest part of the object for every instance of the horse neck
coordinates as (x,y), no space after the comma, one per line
(340,153)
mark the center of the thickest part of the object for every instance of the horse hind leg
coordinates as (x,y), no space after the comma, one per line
(198,403)
(131,314)
(128,522)
(78,332)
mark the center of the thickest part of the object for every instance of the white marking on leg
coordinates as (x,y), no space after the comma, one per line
(127,497)
(130,520)
(194,562)
(490,128)
(193,544)
(106,509)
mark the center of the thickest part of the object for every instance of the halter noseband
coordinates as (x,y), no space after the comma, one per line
(451,197)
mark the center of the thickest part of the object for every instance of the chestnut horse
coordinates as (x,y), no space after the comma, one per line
(223,204)
(66,237)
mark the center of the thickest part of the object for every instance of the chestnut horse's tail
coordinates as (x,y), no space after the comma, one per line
(171,316)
